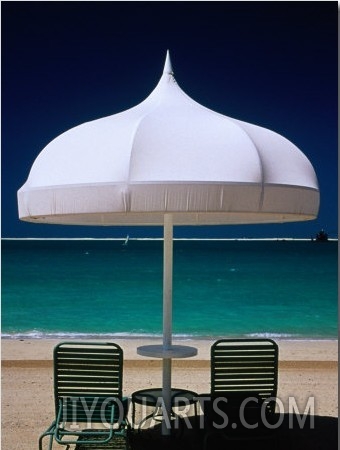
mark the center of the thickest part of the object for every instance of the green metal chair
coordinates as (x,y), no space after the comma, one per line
(244,377)
(89,406)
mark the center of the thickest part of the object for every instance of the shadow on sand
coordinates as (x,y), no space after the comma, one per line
(314,433)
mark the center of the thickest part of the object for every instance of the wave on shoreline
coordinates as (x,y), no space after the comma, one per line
(35,334)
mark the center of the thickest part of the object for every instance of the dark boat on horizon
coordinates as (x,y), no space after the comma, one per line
(321,236)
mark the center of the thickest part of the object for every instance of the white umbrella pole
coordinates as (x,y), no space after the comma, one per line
(167,319)
(167,351)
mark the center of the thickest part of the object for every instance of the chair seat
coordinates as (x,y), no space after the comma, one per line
(118,442)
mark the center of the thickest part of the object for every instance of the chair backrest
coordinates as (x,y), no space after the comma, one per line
(91,372)
(244,367)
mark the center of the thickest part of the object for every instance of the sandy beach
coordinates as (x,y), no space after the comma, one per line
(306,369)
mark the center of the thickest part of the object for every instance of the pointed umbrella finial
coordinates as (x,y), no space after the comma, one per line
(167,66)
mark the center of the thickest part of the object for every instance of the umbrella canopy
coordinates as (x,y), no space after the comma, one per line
(169,161)
(169,154)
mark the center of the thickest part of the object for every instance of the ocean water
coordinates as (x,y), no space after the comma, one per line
(67,288)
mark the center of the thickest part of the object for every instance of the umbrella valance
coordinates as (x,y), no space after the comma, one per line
(169,154)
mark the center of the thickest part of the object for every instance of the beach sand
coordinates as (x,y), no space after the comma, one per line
(306,369)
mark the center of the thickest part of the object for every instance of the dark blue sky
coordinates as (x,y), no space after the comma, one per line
(269,63)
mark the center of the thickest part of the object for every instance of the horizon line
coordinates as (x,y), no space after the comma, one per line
(123,238)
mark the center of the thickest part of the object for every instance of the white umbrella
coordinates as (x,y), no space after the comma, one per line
(169,161)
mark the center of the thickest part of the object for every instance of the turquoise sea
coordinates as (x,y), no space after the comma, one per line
(67,288)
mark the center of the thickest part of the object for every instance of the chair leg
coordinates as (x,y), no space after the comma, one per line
(50,434)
